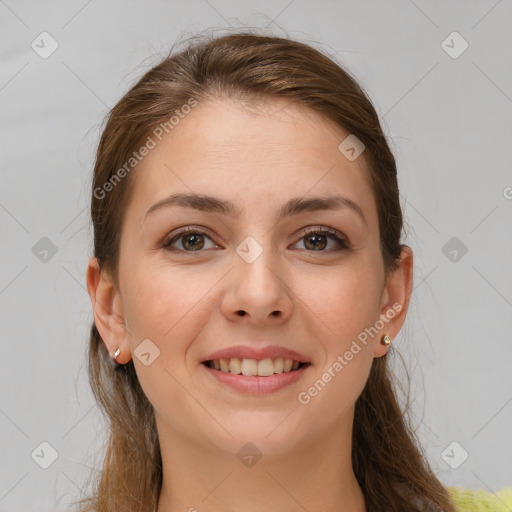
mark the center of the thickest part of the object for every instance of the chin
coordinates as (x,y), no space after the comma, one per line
(271,432)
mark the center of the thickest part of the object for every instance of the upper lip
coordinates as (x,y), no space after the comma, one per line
(248,352)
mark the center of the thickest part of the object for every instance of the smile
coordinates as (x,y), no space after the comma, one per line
(254,367)
(255,377)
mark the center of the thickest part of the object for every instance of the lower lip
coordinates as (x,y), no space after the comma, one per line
(257,385)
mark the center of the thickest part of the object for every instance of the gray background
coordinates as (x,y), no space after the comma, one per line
(449,124)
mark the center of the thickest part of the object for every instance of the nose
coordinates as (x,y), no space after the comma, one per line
(260,287)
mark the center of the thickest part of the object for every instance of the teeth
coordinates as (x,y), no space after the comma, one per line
(249,367)
(254,367)
(235,365)
(265,367)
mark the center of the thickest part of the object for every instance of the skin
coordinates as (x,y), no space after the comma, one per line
(187,304)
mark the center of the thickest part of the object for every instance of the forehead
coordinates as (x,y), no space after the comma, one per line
(252,152)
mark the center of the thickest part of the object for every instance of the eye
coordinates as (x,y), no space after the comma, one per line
(316,239)
(190,239)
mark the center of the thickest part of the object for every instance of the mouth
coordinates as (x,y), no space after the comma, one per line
(255,367)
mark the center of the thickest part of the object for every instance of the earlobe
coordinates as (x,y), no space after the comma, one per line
(395,299)
(108,312)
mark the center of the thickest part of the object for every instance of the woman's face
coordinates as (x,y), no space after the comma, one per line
(251,277)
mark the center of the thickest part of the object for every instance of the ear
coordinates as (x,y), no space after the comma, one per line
(108,311)
(395,299)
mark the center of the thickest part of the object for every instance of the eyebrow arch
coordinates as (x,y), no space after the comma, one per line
(294,206)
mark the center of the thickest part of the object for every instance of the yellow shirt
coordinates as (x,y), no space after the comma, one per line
(468,500)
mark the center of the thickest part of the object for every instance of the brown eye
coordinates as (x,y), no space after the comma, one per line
(317,239)
(188,240)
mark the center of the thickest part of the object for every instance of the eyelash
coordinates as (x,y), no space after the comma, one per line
(336,235)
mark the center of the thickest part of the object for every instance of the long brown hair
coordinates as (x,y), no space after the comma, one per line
(388,462)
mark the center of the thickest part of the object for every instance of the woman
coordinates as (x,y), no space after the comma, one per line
(247,282)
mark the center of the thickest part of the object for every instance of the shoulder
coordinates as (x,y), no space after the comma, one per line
(469,500)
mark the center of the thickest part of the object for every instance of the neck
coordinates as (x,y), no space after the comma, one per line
(315,475)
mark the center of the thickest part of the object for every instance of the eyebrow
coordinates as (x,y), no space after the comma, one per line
(294,206)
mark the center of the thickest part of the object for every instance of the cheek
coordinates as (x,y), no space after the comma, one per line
(165,305)
(334,391)
(342,309)
(343,303)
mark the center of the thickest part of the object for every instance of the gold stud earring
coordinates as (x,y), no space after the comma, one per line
(386,340)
